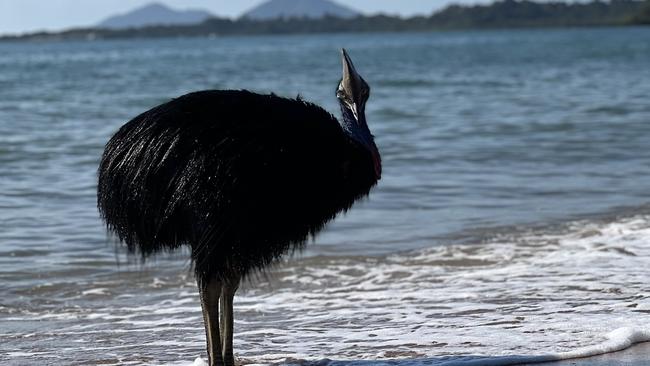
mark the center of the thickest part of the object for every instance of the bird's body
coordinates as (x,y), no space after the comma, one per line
(241,178)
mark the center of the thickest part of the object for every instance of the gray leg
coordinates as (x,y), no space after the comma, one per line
(210,293)
(227,293)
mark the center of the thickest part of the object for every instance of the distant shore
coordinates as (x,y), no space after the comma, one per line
(499,15)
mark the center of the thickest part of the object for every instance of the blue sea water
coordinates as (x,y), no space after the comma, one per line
(513,205)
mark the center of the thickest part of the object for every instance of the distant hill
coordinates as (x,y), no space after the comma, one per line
(283,9)
(154,14)
(498,15)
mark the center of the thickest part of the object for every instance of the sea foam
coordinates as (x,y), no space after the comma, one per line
(522,295)
(525,296)
(617,340)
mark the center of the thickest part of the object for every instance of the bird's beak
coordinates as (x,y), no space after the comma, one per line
(351,81)
(350,75)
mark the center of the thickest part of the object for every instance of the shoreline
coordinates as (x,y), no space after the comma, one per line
(635,355)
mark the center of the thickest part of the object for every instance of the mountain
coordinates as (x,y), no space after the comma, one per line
(154,14)
(503,14)
(275,9)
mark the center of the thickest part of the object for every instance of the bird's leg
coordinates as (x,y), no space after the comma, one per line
(210,291)
(229,288)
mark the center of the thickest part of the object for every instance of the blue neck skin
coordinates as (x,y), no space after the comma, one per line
(359,133)
(357,130)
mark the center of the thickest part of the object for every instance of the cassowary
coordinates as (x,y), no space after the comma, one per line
(241,178)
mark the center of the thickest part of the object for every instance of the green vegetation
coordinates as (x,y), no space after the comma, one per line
(643,16)
(510,13)
(501,14)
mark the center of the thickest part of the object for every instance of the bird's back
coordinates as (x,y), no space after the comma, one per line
(241,177)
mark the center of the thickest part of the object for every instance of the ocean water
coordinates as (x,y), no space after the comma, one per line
(512,222)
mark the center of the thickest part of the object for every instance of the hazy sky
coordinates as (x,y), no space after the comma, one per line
(28,15)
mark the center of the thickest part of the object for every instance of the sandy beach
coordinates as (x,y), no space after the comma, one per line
(637,355)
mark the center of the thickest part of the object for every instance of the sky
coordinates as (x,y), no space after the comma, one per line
(19,16)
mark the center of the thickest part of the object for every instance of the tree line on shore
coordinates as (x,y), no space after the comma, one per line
(500,14)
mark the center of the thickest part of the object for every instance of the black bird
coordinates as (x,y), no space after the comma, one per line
(241,178)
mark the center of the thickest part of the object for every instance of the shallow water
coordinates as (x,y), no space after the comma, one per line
(511,219)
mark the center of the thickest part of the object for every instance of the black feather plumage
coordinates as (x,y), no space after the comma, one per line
(241,178)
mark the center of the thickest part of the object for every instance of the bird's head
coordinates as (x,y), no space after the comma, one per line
(353,93)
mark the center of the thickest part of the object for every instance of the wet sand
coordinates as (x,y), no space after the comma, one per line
(637,355)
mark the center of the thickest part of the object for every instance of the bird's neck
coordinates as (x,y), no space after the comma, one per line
(356,129)
(359,133)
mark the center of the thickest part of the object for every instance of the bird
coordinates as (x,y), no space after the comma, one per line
(240,178)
